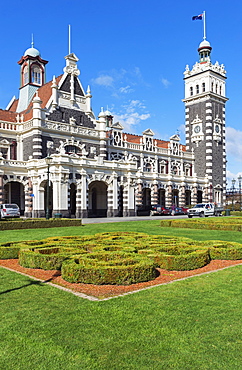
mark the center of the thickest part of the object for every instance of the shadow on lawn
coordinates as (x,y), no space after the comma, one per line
(33,282)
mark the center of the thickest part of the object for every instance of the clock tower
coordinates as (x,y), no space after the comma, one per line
(205,121)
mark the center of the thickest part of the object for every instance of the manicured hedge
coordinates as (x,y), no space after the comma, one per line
(181,262)
(11,250)
(120,270)
(46,258)
(117,258)
(230,223)
(38,223)
(219,250)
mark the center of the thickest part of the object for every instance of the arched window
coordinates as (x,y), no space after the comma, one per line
(72,149)
(203,86)
(197,89)
(148,167)
(36,75)
(220,90)
(25,75)
(216,88)
(191,90)
(212,86)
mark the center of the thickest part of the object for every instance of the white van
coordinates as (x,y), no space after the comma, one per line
(9,210)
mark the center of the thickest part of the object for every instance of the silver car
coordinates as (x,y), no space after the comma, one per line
(9,210)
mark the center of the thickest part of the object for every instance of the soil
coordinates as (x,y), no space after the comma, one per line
(105,291)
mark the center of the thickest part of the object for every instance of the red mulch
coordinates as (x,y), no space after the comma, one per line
(104,291)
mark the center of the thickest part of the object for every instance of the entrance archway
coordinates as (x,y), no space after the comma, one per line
(188,197)
(73,199)
(175,197)
(44,184)
(162,197)
(14,193)
(199,196)
(121,201)
(97,199)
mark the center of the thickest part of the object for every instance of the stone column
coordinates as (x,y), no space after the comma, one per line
(194,194)
(154,193)
(139,194)
(169,196)
(29,199)
(115,195)
(182,196)
(1,190)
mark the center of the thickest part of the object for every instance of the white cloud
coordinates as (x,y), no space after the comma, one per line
(126,90)
(104,80)
(165,82)
(132,114)
(234,143)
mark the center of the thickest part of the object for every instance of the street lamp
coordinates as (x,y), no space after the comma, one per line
(239,179)
(48,162)
(233,183)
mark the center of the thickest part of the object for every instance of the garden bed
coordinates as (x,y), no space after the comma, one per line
(105,291)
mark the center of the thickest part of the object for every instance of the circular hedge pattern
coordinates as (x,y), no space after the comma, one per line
(117,257)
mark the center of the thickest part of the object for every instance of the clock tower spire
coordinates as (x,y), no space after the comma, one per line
(205,121)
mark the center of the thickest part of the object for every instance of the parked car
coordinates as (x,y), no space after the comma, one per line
(9,211)
(179,211)
(205,210)
(157,209)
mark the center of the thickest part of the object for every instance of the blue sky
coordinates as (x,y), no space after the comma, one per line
(133,54)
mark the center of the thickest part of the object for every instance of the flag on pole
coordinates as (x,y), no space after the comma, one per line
(197,17)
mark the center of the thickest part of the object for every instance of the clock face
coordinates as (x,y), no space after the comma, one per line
(217,128)
(197,129)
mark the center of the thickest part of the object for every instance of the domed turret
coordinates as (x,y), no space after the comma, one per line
(32,52)
(204,51)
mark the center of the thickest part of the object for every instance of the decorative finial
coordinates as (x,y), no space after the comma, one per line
(32,43)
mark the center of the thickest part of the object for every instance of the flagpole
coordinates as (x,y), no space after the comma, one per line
(204,26)
(69,39)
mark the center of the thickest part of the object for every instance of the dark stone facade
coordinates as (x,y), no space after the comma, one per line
(64,114)
(65,87)
(200,149)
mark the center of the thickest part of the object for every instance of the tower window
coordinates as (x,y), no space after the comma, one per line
(26,75)
(216,88)
(197,89)
(36,75)
(191,91)
(220,90)
(203,86)
(212,86)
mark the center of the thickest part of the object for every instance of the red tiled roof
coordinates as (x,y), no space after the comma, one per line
(7,116)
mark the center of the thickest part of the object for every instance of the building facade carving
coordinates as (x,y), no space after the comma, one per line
(97,169)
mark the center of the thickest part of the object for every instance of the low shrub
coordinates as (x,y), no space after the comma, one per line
(180,262)
(11,250)
(38,223)
(120,269)
(46,258)
(220,250)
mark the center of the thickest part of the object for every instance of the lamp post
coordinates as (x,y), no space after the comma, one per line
(48,160)
(239,179)
(233,183)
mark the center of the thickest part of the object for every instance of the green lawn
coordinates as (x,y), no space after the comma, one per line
(151,227)
(193,324)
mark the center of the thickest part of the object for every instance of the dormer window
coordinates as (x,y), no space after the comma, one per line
(36,75)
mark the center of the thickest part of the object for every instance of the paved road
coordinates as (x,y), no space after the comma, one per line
(123,219)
